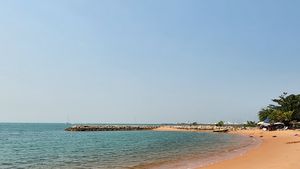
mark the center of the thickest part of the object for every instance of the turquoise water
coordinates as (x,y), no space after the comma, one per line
(49,146)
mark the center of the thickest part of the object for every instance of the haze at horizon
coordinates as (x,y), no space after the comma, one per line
(145,61)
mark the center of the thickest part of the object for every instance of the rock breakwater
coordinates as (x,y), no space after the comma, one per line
(108,128)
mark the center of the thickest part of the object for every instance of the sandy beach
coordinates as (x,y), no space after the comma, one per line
(278,150)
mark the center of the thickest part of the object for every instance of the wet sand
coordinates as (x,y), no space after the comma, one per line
(278,150)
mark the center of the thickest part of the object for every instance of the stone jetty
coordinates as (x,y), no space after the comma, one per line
(109,128)
(199,127)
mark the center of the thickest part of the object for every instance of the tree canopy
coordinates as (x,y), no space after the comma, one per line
(285,109)
(220,123)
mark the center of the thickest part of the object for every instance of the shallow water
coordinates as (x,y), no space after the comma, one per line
(49,146)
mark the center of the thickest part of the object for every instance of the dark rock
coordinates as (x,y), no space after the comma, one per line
(109,128)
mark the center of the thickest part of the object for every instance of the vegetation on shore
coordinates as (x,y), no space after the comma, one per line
(220,123)
(250,124)
(286,109)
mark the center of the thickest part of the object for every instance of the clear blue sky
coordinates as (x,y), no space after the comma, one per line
(146,61)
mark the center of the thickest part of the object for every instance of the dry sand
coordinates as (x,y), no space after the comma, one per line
(278,150)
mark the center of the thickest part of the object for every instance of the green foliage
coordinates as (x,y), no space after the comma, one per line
(220,123)
(264,113)
(286,109)
(288,103)
(194,123)
(281,116)
(251,124)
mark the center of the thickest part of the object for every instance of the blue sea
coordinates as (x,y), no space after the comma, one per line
(49,146)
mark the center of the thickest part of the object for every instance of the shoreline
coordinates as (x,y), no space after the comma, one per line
(276,150)
(202,159)
(212,159)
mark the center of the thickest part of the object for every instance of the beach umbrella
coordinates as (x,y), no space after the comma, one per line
(267,120)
